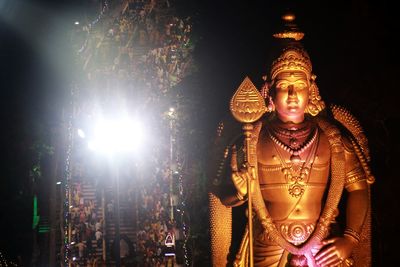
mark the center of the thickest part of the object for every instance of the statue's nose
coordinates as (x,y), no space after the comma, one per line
(291,91)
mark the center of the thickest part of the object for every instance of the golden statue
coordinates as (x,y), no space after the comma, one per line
(301,161)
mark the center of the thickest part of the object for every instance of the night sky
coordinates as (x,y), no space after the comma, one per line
(352,47)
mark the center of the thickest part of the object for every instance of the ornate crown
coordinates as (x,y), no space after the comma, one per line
(292,59)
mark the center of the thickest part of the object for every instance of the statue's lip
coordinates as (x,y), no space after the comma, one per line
(292,103)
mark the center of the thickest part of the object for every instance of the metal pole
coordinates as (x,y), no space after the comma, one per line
(137,191)
(247,133)
(117,232)
(171,158)
(69,221)
(103,205)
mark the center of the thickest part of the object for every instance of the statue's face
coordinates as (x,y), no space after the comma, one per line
(291,95)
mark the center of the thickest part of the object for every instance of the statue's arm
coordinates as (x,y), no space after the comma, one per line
(357,207)
(338,249)
(235,189)
(230,198)
(357,188)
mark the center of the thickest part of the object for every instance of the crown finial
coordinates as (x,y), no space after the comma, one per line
(290,29)
(288,17)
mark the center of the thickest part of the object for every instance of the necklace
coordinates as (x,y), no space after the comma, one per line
(297,173)
(285,133)
(292,134)
(295,149)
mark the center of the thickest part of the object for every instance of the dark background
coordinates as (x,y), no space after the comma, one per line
(351,43)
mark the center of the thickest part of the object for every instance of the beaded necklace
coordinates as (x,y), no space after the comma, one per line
(295,152)
(297,173)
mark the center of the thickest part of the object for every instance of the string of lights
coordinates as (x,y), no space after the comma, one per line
(67,177)
(185,228)
(178,162)
(87,28)
(173,116)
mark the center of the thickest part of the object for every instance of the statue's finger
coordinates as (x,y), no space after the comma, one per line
(237,178)
(336,263)
(330,261)
(322,255)
(328,241)
(234,164)
(327,258)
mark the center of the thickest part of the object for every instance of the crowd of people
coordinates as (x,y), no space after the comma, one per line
(144,44)
(155,222)
(156,233)
(86,226)
(148,50)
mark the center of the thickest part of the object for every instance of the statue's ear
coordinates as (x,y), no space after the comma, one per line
(313,78)
(315,103)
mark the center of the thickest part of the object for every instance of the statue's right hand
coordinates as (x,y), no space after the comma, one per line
(240,177)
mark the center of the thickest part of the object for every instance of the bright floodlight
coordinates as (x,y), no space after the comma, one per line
(171,112)
(76,22)
(117,136)
(81,133)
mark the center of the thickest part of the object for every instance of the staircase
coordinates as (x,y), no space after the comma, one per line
(89,193)
(127,223)
(126,226)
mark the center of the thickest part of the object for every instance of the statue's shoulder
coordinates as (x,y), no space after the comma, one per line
(342,121)
(352,131)
(352,135)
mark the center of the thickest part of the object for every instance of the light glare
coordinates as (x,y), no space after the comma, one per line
(81,133)
(117,136)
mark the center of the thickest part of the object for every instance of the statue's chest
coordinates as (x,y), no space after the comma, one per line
(277,169)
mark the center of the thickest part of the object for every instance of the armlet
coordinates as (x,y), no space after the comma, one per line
(355,180)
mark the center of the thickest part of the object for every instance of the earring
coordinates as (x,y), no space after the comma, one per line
(271,105)
(265,94)
(315,103)
(265,88)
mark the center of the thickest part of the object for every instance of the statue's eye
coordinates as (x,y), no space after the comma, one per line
(283,86)
(301,86)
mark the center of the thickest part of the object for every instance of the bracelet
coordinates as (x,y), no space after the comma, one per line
(353,234)
(349,262)
(239,196)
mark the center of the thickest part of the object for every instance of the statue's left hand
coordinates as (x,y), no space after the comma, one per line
(335,251)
